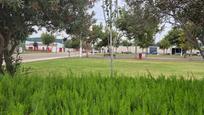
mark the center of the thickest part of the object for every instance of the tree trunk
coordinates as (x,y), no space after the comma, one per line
(201,52)
(193,39)
(9,63)
(181,52)
(166,51)
(146,52)
(116,50)
(202,55)
(87,53)
(47,48)
(135,51)
(191,53)
(93,51)
(1,53)
(1,63)
(80,51)
(200,48)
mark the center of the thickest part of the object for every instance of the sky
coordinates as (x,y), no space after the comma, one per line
(100,19)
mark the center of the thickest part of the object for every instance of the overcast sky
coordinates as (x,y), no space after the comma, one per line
(100,19)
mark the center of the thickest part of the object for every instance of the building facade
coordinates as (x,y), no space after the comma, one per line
(35,44)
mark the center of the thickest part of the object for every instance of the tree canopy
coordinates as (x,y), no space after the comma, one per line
(139,22)
(176,37)
(188,14)
(164,44)
(126,43)
(47,39)
(72,43)
(17,18)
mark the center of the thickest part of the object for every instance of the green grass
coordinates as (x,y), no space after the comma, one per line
(95,94)
(75,87)
(122,66)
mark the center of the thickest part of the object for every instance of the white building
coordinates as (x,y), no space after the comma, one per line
(150,50)
(57,46)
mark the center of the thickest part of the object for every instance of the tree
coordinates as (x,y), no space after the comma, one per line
(110,10)
(47,39)
(178,38)
(139,22)
(145,40)
(81,28)
(127,44)
(72,43)
(188,14)
(17,18)
(164,44)
(117,40)
(104,38)
(95,34)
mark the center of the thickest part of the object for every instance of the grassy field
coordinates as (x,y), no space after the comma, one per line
(95,94)
(67,87)
(128,67)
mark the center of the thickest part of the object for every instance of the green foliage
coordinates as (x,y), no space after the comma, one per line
(47,39)
(164,44)
(92,94)
(188,15)
(96,33)
(178,37)
(73,43)
(145,40)
(126,43)
(104,40)
(174,36)
(18,17)
(139,22)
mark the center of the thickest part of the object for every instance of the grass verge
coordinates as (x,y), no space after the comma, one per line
(128,67)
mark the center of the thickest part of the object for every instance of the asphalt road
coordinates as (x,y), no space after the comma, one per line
(32,57)
(47,56)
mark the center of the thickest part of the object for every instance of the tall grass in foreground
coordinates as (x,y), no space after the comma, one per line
(93,94)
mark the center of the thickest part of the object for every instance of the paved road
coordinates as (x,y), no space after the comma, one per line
(46,56)
(32,57)
(157,58)
(175,59)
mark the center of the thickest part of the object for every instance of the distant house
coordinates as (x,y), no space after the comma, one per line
(35,44)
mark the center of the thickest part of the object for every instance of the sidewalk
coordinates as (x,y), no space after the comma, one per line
(46,56)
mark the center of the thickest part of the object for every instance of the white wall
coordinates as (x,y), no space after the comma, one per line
(55,47)
(131,49)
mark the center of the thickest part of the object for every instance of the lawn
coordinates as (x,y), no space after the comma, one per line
(52,89)
(129,67)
